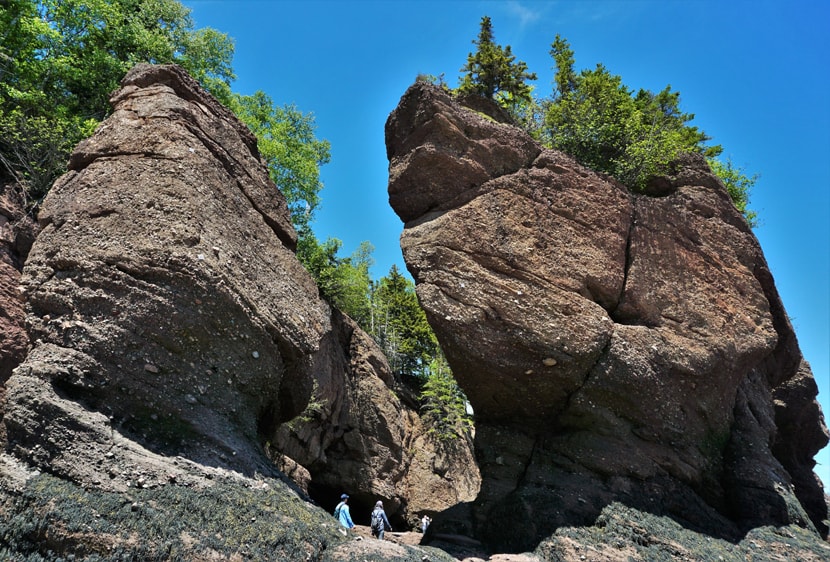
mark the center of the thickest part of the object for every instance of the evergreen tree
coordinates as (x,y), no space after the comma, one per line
(492,71)
(443,404)
(564,79)
(400,326)
(596,119)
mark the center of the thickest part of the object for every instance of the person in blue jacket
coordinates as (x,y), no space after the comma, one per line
(341,512)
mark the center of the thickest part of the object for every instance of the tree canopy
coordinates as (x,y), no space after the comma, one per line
(493,72)
(598,120)
(285,138)
(61,59)
(400,325)
(593,116)
(601,122)
(344,282)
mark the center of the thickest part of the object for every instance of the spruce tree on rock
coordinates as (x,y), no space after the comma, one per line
(493,72)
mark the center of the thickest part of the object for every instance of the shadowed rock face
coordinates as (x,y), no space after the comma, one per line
(363,439)
(172,325)
(615,347)
(17,231)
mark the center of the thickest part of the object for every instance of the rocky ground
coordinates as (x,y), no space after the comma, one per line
(459,547)
(628,535)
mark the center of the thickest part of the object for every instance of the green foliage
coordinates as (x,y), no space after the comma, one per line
(444,406)
(389,311)
(314,409)
(595,118)
(61,59)
(432,79)
(34,149)
(738,184)
(564,80)
(343,282)
(285,138)
(399,325)
(598,120)
(492,71)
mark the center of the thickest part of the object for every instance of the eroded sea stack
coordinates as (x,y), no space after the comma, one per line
(174,334)
(616,347)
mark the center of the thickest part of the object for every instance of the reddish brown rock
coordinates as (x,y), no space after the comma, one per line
(615,347)
(361,438)
(17,231)
(157,292)
(175,334)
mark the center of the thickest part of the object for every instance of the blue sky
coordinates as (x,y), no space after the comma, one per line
(755,73)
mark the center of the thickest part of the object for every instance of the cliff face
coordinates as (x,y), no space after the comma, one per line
(628,358)
(615,347)
(175,335)
(17,232)
(164,300)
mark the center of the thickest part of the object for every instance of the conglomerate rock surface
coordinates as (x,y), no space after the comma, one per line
(174,334)
(615,347)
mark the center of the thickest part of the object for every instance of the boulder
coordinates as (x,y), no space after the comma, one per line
(616,347)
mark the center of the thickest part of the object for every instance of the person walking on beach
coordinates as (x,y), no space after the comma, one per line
(379,521)
(341,512)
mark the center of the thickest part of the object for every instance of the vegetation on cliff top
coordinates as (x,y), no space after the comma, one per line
(61,59)
(593,116)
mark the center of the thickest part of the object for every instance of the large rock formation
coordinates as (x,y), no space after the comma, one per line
(174,336)
(159,290)
(616,347)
